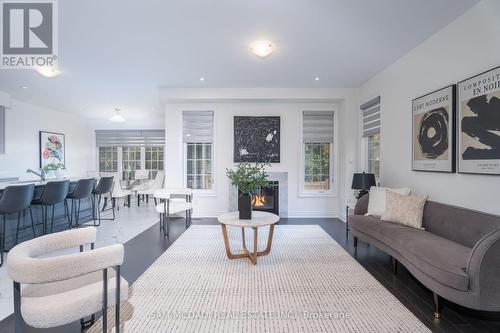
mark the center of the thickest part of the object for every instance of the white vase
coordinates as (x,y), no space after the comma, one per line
(59,173)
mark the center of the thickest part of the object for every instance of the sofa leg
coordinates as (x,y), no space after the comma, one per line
(355,241)
(437,306)
(394,266)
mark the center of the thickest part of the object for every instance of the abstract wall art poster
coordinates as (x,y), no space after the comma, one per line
(479,124)
(257,139)
(433,138)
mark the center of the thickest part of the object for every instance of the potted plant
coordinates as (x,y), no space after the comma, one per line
(54,168)
(247,178)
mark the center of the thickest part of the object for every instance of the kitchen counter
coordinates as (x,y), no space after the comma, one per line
(37,182)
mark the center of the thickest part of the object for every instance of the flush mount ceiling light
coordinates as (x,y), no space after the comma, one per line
(48,71)
(117,117)
(261,48)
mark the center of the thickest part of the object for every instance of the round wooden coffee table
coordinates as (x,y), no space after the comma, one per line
(259,219)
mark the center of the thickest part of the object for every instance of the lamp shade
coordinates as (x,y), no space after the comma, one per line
(363,181)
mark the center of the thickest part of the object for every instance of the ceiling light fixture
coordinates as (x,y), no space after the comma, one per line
(24,87)
(48,71)
(261,48)
(202,79)
(117,117)
(316,78)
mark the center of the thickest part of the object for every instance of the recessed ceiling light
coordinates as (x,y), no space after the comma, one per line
(48,71)
(117,117)
(261,48)
(24,87)
(202,79)
(316,78)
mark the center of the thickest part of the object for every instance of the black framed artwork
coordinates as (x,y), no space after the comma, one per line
(257,139)
(433,134)
(479,123)
(52,148)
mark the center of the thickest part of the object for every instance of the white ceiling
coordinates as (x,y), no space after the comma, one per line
(117,53)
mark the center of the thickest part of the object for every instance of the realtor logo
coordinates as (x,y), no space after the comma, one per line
(29,33)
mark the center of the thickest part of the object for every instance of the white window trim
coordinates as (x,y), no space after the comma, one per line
(334,167)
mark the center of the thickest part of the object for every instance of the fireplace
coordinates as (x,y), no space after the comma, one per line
(267,198)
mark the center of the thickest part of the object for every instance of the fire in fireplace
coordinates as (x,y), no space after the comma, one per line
(267,198)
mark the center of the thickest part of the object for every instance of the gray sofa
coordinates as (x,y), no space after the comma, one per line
(457,256)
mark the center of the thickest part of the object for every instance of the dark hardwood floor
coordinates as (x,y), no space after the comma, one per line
(144,249)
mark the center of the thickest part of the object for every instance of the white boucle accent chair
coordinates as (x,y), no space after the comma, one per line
(172,201)
(150,189)
(62,289)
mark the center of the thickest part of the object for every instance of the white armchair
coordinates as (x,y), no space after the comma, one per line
(118,192)
(156,185)
(173,201)
(62,289)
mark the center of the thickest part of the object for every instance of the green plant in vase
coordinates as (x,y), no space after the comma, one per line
(52,167)
(247,178)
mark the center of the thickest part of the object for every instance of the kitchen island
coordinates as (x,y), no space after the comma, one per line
(60,220)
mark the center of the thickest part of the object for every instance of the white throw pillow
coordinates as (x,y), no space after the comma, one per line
(407,210)
(376,202)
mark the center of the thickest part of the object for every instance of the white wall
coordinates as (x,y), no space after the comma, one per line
(24,121)
(466,47)
(290,111)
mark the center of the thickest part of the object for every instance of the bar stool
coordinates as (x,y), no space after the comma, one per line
(15,199)
(105,186)
(83,190)
(53,193)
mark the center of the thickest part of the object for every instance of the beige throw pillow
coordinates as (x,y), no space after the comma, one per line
(404,209)
(376,202)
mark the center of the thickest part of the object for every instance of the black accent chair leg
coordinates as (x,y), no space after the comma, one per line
(355,244)
(147,198)
(128,200)
(105,300)
(17,308)
(117,304)
(437,306)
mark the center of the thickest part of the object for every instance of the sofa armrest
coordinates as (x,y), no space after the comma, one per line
(361,207)
(483,269)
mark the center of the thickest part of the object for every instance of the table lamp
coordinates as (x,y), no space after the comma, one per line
(362,182)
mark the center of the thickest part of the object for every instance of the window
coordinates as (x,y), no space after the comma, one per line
(198,148)
(317,166)
(108,159)
(374,155)
(371,134)
(317,175)
(153,160)
(131,161)
(199,166)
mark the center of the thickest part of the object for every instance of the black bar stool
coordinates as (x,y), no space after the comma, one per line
(105,186)
(15,199)
(53,193)
(83,190)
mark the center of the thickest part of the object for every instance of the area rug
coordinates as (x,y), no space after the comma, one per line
(308,283)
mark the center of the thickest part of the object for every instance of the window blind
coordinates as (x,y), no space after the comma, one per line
(198,126)
(371,117)
(2,130)
(317,126)
(140,138)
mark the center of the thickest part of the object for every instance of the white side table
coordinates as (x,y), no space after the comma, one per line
(259,219)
